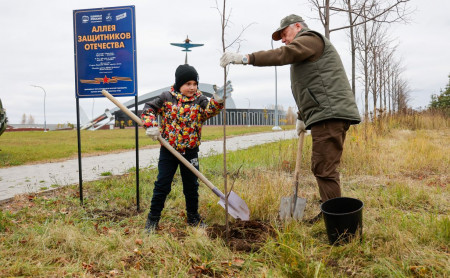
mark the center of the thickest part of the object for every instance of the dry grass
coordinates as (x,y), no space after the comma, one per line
(401,176)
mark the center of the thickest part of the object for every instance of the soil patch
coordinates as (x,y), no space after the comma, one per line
(247,236)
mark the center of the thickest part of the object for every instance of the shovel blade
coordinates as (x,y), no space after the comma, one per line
(237,208)
(287,210)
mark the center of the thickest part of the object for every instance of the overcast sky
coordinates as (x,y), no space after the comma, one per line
(37,48)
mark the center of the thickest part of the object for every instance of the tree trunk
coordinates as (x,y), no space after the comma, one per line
(366,78)
(353,48)
(374,82)
(327,19)
(224,113)
(389,91)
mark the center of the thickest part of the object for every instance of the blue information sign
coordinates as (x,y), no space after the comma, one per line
(105,51)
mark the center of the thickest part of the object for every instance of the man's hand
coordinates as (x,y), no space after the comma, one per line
(300,127)
(152,132)
(233,58)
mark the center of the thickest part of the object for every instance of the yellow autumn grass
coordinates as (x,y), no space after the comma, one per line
(400,174)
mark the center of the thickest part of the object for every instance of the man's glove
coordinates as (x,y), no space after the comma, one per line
(152,132)
(300,127)
(233,58)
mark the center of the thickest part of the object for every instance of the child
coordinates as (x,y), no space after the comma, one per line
(183,111)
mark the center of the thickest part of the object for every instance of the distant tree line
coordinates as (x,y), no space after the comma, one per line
(27,119)
(441,102)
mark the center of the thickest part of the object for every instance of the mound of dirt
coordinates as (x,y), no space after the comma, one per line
(247,236)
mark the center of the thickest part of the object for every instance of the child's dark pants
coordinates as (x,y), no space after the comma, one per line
(167,166)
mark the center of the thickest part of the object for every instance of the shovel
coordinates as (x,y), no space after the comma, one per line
(237,208)
(294,206)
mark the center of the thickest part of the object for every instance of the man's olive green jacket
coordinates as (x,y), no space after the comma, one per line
(318,81)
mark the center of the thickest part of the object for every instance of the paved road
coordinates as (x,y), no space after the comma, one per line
(34,178)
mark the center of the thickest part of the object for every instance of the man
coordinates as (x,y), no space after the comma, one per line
(321,90)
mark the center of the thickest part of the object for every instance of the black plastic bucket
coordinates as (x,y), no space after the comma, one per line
(343,219)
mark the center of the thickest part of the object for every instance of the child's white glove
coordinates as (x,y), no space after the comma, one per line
(152,132)
(218,94)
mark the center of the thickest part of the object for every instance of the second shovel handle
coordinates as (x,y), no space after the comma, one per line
(298,159)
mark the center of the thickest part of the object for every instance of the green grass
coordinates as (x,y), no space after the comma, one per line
(18,148)
(406,224)
(104,174)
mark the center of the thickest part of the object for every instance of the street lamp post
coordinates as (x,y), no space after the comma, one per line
(45,118)
(276,127)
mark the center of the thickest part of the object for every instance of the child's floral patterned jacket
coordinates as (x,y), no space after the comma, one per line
(181,117)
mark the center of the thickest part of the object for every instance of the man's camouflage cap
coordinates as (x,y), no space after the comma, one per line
(285,22)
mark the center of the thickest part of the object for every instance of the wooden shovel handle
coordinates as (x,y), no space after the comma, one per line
(165,144)
(122,107)
(190,166)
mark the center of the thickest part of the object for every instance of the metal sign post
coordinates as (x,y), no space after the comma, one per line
(105,59)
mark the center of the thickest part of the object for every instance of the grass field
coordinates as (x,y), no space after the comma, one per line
(25,147)
(398,168)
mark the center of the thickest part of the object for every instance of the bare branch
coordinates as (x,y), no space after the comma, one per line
(401,14)
(238,38)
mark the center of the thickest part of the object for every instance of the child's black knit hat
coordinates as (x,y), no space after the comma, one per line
(183,74)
